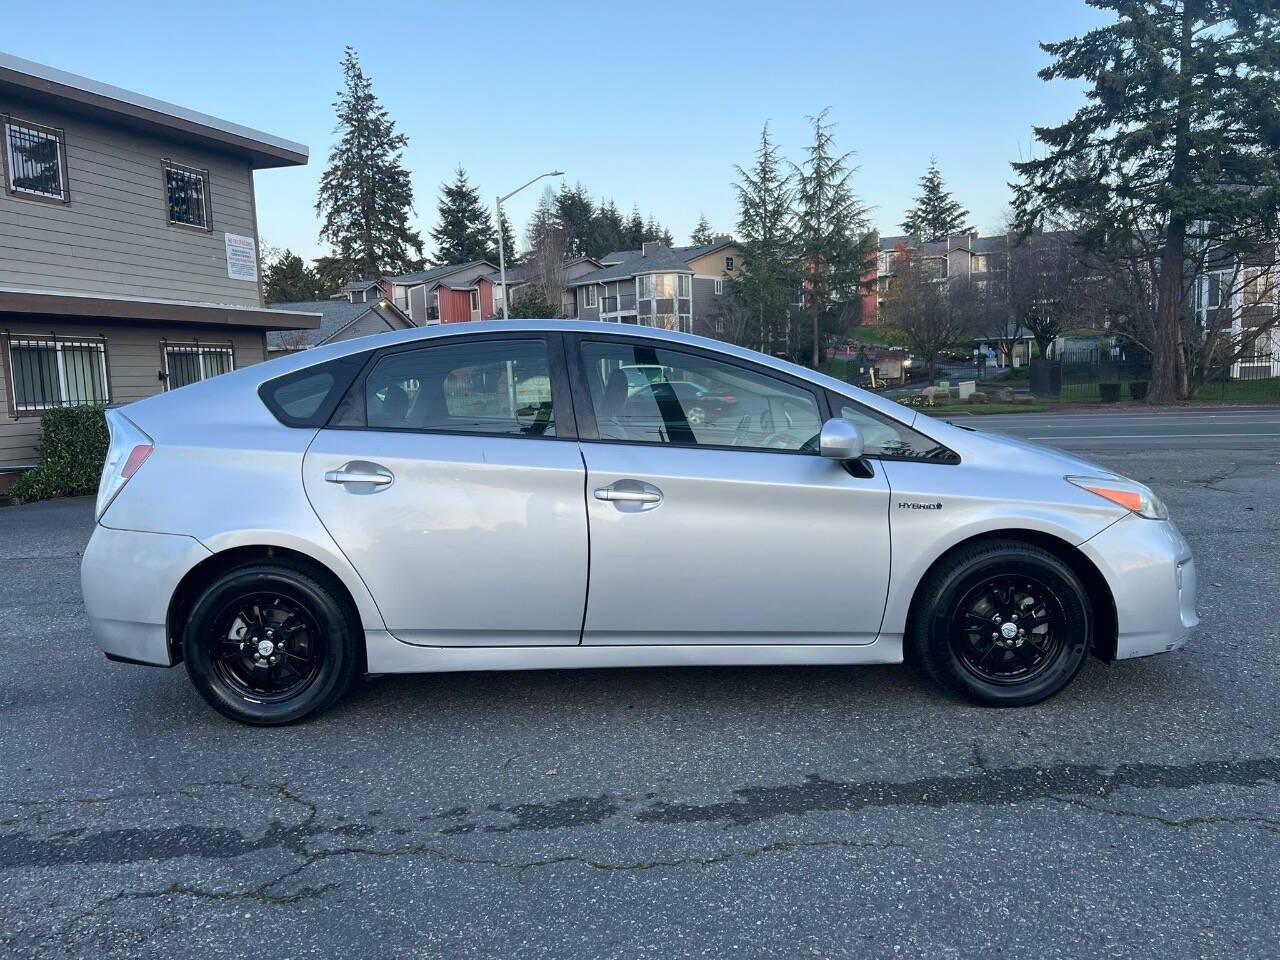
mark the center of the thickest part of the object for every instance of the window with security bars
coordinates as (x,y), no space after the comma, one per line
(186,364)
(47,373)
(187,191)
(36,158)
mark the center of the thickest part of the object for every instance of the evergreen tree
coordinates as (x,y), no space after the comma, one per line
(702,232)
(465,231)
(837,249)
(635,230)
(607,230)
(936,213)
(508,242)
(766,236)
(365,193)
(575,209)
(1179,131)
(287,279)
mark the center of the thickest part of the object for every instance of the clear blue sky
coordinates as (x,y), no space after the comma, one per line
(650,104)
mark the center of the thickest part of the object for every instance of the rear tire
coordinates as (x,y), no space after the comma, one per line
(268,644)
(1002,624)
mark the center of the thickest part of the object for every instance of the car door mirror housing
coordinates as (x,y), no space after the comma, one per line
(840,440)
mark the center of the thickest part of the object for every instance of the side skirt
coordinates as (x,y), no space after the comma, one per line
(386,654)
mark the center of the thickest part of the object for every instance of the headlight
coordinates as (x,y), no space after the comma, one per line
(1125,493)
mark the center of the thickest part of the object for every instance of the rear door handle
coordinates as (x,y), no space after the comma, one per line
(630,495)
(360,471)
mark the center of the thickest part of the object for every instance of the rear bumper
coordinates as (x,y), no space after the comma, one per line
(127,579)
(1152,576)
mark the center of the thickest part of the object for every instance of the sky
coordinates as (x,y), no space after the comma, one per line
(648,104)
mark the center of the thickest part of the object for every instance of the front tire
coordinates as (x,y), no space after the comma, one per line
(1002,624)
(268,644)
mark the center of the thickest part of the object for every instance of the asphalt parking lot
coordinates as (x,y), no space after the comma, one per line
(817,812)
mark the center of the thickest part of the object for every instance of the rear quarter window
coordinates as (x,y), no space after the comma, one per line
(307,397)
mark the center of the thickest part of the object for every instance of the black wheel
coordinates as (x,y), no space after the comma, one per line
(696,416)
(268,644)
(1002,624)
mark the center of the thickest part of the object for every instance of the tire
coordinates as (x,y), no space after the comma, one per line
(268,644)
(696,416)
(1002,624)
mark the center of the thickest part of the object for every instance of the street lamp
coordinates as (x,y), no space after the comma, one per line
(502,258)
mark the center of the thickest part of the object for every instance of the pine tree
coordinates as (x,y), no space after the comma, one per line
(1179,131)
(366,196)
(575,209)
(465,231)
(837,249)
(607,230)
(936,213)
(508,242)
(635,230)
(287,279)
(702,232)
(766,237)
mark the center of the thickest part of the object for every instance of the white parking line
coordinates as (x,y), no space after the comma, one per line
(1151,436)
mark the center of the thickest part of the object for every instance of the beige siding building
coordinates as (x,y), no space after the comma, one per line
(129,259)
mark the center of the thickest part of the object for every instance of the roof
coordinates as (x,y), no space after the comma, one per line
(59,303)
(438,273)
(68,90)
(892,243)
(692,252)
(335,315)
(662,260)
(359,285)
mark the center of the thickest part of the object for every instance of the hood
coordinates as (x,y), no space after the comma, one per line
(976,445)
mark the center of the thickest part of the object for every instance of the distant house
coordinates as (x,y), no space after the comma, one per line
(128,248)
(340,319)
(455,293)
(676,288)
(361,291)
(520,279)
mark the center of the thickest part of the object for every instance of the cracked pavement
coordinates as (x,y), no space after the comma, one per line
(667,813)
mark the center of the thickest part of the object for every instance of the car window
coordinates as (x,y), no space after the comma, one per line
(882,437)
(649,394)
(306,397)
(483,386)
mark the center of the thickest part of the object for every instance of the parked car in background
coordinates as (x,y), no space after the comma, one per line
(492,497)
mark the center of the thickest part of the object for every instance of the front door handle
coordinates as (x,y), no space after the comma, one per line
(630,495)
(360,471)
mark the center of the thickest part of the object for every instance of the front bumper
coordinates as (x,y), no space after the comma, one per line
(1152,576)
(127,579)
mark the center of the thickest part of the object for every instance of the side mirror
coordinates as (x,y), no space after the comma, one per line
(840,440)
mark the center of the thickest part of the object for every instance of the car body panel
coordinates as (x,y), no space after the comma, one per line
(127,578)
(478,540)
(744,547)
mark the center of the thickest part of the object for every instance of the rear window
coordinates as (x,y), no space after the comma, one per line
(306,397)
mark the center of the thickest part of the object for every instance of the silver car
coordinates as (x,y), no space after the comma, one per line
(502,496)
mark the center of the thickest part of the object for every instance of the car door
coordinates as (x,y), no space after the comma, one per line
(724,530)
(450,477)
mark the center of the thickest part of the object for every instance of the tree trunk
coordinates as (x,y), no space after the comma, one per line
(1164,347)
(815,341)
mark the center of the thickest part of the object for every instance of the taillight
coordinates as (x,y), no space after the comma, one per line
(127,451)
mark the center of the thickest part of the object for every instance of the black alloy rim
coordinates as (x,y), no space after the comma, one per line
(1008,629)
(266,647)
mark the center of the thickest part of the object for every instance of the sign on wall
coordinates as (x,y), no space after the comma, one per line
(242,258)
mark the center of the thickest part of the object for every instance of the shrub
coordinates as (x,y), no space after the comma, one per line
(977,397)
(1109,392)
(72,448)
(1138,389)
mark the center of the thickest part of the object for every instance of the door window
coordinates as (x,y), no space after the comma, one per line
(889,440)
(647,394)
(483,386)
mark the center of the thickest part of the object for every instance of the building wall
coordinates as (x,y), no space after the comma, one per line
(455,305)
(713,264)
(113,236)
(134,362)
(585,312)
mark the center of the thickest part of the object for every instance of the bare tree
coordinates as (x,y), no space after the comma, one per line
(920,307)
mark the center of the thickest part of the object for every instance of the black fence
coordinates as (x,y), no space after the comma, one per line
(1093,377)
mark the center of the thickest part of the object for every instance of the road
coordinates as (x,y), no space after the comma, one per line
(663,813)
(1115,431)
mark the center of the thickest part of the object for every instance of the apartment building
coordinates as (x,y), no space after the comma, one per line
(129,250)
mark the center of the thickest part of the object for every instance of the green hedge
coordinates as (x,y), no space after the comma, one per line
(72,448)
